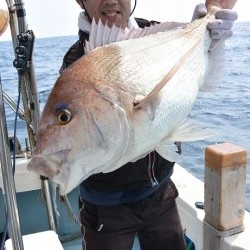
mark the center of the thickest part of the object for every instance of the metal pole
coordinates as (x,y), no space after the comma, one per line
(46,189)
(12,104)
(29,91)
(8,180)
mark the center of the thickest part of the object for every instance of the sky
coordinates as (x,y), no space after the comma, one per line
(59,17)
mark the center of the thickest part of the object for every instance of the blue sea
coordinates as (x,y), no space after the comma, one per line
(225,110)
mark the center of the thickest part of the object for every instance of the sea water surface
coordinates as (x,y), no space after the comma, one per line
(225,110)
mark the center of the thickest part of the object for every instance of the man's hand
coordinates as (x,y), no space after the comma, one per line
(221,27)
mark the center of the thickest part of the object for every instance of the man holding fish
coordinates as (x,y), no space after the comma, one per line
(139,197)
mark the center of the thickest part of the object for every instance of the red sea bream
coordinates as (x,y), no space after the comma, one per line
(124,99)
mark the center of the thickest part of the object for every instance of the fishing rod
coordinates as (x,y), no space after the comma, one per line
(23,43)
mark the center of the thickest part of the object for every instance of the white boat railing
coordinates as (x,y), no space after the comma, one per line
(9,184)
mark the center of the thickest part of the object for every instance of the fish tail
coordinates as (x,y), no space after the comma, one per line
(223,4)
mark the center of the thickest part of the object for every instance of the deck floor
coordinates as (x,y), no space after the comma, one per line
(77,244)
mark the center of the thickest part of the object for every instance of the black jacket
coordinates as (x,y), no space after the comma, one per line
(146,172)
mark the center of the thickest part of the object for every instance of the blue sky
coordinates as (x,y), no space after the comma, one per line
(59,17)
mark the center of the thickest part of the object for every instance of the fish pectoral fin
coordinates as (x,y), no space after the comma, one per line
(138,99)
(154,93)
(150,108)
(190,130)
(164,81)
(168,151)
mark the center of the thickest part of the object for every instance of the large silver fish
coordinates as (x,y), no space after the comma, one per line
(123,100)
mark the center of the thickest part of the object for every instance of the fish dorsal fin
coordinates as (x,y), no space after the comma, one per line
(101,34)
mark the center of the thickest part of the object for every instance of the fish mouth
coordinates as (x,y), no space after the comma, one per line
(48,165)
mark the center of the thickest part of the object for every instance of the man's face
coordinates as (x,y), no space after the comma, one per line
(109,11)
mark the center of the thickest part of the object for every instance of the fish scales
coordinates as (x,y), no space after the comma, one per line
(149,64)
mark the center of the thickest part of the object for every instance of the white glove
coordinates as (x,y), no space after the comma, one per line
(221,27)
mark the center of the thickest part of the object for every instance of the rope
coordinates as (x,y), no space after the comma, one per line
(70,209)
(225,233)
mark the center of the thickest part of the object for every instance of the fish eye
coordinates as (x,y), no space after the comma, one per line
(63,117)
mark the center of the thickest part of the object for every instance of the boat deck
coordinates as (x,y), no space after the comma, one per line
(73,245)
(76,245)
(34,216)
